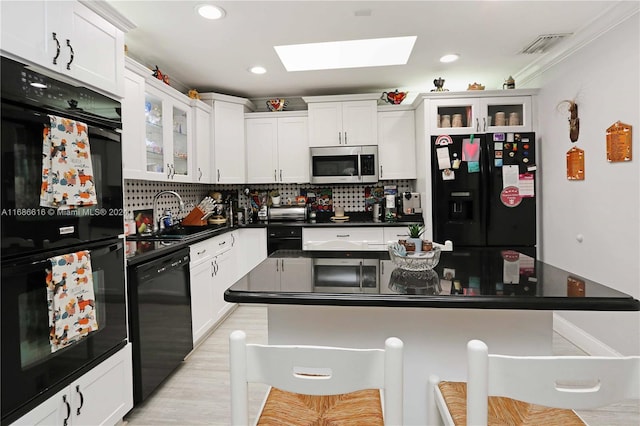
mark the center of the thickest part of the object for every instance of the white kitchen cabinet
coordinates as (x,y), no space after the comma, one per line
(213,268)
(66,37)
(102,396)
(168,138)
(292,274)
(228,136)
(229,142)
(203,142)
(343,123)
(343,238)
(133,126)
(394,233)
(521,106)
(477,112)
(201,279)
(396,145)
(277,149)
(252,248)
(157,129)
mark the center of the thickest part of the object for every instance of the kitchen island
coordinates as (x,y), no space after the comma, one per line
(358,299)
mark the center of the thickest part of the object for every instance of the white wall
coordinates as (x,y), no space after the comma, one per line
(603,78)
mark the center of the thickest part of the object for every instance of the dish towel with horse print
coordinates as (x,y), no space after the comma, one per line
(67,172)
(71,299)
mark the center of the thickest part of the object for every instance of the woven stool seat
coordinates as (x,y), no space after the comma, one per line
(506,411)
(292,409)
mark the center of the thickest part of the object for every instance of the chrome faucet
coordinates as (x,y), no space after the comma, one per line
(156,221)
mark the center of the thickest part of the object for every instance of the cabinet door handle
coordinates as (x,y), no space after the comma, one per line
(381,268)
(280,175)
(275,175)
(340,138)
(55,58)
(233,240)
(72,54)
(342,235)
(381,170)
(484,123)
(218,175)
(168,171)
(200,175)
(282,269)
(201,252)
(345,138)
(477,125)
(65,422)
(213,269)
(81,399)
(277,266)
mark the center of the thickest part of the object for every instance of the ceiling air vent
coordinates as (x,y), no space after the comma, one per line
(543,43)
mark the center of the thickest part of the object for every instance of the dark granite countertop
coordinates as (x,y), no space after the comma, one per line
(141,248)
(463,279)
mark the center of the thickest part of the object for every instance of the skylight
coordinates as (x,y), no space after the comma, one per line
(346,54)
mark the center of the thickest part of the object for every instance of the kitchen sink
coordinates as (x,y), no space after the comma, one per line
(177,232)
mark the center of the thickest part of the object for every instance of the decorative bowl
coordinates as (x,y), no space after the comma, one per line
(421,261)
(276,104)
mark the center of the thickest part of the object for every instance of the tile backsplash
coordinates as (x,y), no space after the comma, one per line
(139,193)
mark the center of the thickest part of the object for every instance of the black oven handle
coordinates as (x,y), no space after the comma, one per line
(21,111)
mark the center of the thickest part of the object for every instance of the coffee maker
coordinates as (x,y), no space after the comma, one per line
(390,209)
(411,205)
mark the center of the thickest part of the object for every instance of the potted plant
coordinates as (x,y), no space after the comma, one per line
(415,231)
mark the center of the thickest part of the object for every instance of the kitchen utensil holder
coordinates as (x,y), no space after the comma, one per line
(194,218)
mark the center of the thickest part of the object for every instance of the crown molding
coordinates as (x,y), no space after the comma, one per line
(108,12)
(619,12)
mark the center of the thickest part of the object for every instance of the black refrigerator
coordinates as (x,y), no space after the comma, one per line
(483,189)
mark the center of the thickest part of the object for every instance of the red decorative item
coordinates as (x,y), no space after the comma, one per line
(394,98)
(160,76)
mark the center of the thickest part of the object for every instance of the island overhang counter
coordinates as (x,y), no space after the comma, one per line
(358,299)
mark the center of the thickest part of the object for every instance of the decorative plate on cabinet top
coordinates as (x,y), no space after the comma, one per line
(276,104)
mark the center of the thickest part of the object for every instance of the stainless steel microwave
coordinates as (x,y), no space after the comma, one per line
(344,164)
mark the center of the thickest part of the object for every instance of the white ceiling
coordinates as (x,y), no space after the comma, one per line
(215,55)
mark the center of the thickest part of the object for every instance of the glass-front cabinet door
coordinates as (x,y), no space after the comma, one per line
(480,114)
(455,116)
(154,135)
(507,114)
(180,161)
(167,137)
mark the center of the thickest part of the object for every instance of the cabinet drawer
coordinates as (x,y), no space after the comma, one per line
(222,243)
(343,238)
(394,233)
(199,252)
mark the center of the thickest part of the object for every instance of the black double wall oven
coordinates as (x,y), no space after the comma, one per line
(32,234)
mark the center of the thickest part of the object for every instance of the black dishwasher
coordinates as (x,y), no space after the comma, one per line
(159,319)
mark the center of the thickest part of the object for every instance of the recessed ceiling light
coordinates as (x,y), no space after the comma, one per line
(258,70)
(346,54)
(449,58)
(210,11)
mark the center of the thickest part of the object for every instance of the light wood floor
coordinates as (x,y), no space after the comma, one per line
(197,393)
